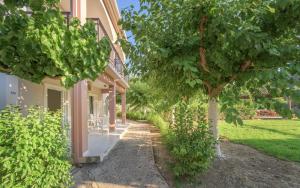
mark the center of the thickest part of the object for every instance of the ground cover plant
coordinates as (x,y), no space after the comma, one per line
(279,138)
(33,150)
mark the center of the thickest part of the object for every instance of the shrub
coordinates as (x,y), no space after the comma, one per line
(190,141)
(244,110)
(33,149)
(136,115)
(159,122)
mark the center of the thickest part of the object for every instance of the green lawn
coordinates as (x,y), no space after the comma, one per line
(279,138)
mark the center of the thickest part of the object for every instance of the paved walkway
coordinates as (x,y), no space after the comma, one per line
(129,164)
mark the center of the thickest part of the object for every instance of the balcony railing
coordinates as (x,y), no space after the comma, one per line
(115,60)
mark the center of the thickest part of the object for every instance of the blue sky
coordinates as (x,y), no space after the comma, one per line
(126,3)
(123,4)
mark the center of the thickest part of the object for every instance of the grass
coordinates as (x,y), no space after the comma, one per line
(279,138)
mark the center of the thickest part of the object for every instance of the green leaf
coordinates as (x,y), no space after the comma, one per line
(272,10)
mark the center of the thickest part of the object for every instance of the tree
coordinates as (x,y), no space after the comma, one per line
(139,96)
(39,44)
(218,47)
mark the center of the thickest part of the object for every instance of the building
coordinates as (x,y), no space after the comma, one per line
(89,103)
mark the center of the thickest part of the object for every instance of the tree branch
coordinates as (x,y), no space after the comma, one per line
(216,91)
(202,61)
(208,86)
(246,65)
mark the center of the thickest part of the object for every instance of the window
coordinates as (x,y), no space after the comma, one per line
(54,100)
(91,104)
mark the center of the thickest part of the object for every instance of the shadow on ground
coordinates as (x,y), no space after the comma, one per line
(247,167)
(129,164)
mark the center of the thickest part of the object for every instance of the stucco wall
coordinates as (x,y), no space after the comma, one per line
(65,5)
(30,94)
(96,9)
(8,90)
(16,91)
(21,92)
(3,90)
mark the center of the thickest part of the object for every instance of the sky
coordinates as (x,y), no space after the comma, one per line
(123,4)
(126,3)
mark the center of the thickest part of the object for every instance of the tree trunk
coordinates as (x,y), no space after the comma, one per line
(289,103)
(213,123)
(173,116)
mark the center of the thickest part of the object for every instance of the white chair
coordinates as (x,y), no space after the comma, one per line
(105,127)
(91,123)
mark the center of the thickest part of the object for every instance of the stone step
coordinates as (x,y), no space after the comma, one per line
(87,160)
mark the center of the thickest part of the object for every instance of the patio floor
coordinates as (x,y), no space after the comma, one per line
(129,164)
(101,142)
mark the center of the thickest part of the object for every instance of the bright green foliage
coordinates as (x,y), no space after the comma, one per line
(279,138)
(41,44)
(190,141)
(136,115)
(160,123)
(33,150)
(144,97)
(139,96)
(218,47)
(246,109)
(241,109)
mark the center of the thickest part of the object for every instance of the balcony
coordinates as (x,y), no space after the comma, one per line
(115,61)
(118,66)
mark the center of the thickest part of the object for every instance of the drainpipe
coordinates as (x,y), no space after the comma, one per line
(71,8)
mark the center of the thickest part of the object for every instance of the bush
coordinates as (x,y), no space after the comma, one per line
(33,150)
(246,110)
(136,115)
(190,141)
(159,122)
(243,110)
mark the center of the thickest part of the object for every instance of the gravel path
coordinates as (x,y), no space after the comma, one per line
(129,164)
(247,167)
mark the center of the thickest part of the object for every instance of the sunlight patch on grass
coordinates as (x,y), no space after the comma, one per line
(279,138)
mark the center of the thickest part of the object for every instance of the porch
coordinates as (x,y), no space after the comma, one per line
(101,141)
(95,127)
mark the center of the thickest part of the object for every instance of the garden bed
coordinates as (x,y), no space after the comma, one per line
(243,167)
(161,156)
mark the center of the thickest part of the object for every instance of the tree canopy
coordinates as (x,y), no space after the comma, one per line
(40,43)
(216,46)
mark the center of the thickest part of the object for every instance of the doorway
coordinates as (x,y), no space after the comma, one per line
(54,100)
